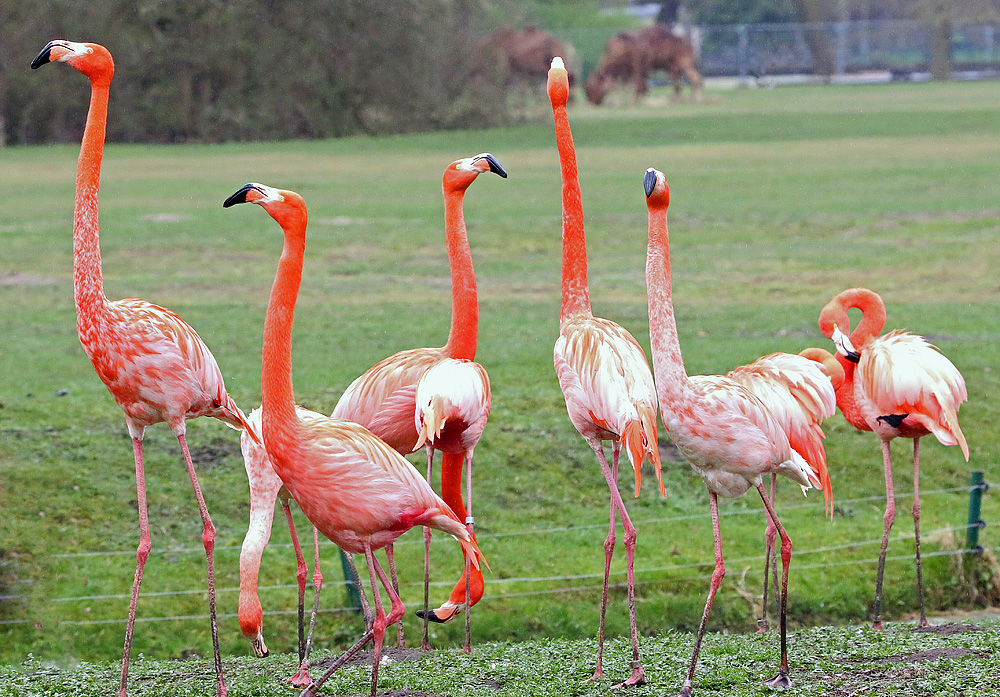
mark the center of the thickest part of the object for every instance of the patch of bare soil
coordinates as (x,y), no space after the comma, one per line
(206,456)
(389,654)
(949,629)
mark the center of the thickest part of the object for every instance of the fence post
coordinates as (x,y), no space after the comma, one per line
(351,583)
(743,56)
(975,522)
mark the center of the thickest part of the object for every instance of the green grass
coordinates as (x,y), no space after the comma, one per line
(780,199)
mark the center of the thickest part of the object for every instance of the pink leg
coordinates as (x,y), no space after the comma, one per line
(609,548)
(208,538)
(470,525)
(141,555)
(916,528)
(770,535)
(781,680)
(366,609)
(638,676)
(310,691)
(301,572)
(717,575)
(301,678)
(400,639)
(425,643)
(890,515)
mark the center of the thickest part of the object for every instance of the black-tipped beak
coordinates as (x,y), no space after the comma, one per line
(239,197)
(649,181)
(495,166)
(853,356)
(43,57)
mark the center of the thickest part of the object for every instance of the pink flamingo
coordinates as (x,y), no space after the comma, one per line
(898,386)
(798,390)
(355,489)
(602,371)
(154,364)
(265,489)
(725,432)
(384,398)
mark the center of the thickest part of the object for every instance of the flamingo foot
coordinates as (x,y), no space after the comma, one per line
(781,681)
(638,677)
(442,614)
(300,679)
(877,626)
(763,627)
(598,675)
(685,691)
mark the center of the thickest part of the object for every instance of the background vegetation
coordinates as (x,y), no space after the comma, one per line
(780,199)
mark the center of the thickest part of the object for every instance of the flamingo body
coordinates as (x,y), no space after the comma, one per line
(453,402)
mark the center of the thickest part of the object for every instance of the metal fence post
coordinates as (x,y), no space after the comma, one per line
(975,522)
(351,583)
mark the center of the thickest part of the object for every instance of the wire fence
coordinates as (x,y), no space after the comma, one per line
(500,586)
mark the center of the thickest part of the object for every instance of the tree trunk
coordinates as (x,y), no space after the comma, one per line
(823,54)
(941,49)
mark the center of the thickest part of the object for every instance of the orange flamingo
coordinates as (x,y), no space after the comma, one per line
(153,363)
(355,489)
(799,391)
(898,386)
(725,432)
(456,399)
(602,371)
(265,489)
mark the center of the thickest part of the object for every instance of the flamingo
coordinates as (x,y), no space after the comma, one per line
(456,397)
(358,491)
(799,391)
(898,386)
(722,429)
(265,489)
(602,371)
(154,364)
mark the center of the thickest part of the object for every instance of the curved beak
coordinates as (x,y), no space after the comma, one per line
(844,346)
(494,165)
(649,181)
(43,56)
(241,195)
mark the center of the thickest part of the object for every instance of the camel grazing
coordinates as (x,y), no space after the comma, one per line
(630,57)
(528,54)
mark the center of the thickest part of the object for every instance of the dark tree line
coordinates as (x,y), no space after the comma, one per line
(216,70)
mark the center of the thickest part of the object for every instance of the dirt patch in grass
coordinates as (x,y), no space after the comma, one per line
(207,456)
(948,629)
(388,654)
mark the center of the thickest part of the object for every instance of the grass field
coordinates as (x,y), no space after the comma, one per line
(780,199)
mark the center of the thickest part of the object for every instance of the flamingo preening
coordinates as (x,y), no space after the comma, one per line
(799,391)
(725,432)
(898,386)
(454,391)
(602,371)
(354,488)
(153,363)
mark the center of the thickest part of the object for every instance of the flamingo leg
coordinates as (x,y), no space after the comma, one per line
(717,576)
(890,515)
(301,678)
(770,535)
(609,548)
(301,573)
(366,610)
(470,524)
(425,643)
(208,538)
(916,529)
(638,676)
(390,555)
(781,680)
(310,691)
(141,555)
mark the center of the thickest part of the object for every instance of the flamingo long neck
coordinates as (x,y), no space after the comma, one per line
(575,290)
(872,314)
(668,365)
(88,281)
(282,426)
(464,331)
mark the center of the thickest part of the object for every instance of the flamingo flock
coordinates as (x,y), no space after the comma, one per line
(347,471)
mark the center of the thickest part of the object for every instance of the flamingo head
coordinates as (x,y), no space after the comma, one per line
(461,173)
(830,365)
(557,84)
(251,619)
(286,207)
(844,346)
(657,190)
(93,60)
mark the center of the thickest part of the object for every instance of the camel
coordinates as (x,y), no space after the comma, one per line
(528,54)
(630,57)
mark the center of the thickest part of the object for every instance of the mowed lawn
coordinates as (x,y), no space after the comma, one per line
(779,199)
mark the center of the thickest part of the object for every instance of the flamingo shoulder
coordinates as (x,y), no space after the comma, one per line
(903,372)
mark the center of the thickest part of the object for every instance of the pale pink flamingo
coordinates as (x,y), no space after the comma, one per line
(725,432)
(354,488)
(155,365)
(265,489)
(798,390)
(602,371)
(898,386)
(384,398)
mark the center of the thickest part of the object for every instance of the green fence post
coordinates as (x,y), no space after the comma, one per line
(975,522)
(351,584)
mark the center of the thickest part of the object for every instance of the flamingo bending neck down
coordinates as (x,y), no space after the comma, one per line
(898,386)
(154,364)
(723,430)
(602,371)
(454,391)
(355,489)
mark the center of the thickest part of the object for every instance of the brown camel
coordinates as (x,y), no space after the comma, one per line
(528,53)
(630,57)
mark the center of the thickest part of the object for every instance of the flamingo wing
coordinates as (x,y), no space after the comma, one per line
(901,373)
(608,387)
(453,392)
